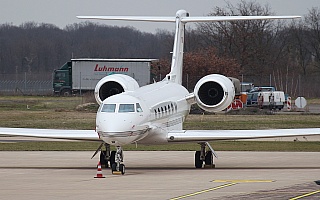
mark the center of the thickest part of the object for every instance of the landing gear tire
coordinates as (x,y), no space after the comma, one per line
(113,167)
(103,159)
(197,161)
(209,158)
(122,168)
(112,157)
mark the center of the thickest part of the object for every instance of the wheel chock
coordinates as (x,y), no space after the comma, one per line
(209,166)
(116,173)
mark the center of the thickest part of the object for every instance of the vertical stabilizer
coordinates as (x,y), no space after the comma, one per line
(175,74)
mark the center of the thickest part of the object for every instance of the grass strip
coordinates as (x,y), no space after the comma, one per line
(300,146)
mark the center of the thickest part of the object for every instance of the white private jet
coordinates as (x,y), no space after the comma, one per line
(154,114)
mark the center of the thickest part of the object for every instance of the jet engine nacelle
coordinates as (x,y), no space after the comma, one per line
(214,92)
(114,84)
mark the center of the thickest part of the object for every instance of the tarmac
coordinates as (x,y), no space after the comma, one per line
(160,175)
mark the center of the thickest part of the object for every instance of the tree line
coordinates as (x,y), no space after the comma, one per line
(33,47)
(288,50)
(284,51)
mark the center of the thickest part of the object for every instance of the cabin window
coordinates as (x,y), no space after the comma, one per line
(110,108)
(139,109)
(124,108)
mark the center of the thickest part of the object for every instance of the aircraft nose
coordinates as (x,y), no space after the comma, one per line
(113,124)
(119,129)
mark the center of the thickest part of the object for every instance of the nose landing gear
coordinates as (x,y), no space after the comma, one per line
(114,157)
(118,167)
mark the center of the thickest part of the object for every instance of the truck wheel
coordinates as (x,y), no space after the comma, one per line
(65,92)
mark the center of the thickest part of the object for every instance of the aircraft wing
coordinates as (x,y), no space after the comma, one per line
(86,135)
(211,135)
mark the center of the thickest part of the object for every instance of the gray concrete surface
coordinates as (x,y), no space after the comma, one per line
(160,175)
(310,108)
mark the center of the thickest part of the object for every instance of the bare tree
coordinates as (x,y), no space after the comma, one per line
(252,43)
(199,63)
(312,22)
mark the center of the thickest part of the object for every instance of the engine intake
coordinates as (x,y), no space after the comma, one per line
(112,85)
(109,89)
(214,92)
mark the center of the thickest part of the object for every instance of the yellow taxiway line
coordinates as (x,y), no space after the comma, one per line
(305,195)
(228,184)
(242,181)
(203,191)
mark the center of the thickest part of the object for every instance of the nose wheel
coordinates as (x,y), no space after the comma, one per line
(114,157)
(117,167)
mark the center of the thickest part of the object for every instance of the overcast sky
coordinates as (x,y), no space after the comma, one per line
(64,12)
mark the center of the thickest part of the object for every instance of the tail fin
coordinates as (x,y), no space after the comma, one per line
(182,17)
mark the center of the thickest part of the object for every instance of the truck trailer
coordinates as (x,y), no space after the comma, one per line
(82,75)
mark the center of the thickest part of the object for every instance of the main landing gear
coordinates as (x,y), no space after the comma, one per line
(115,158)
(204,157)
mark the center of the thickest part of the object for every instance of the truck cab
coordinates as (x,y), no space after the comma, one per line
(62,83)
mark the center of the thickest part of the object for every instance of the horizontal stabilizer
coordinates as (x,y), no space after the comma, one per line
(211,135)
(130,18)
(186,19)
(233,18)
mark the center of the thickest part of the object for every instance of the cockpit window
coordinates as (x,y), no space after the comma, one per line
(111,108)
(139,109)
(126,108)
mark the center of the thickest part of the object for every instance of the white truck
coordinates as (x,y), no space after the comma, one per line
(81,75)
(266,97)
(271,99)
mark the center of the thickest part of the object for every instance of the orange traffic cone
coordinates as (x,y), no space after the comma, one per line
(99,171)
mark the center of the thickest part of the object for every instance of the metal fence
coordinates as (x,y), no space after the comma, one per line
(21,87)
(41,84)
(26,84)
